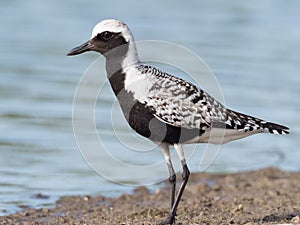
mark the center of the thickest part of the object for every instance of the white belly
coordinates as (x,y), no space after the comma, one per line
(221,136)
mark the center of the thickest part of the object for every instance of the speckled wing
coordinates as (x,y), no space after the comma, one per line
(180,103)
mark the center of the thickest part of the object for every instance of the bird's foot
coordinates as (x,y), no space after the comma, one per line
(170,220)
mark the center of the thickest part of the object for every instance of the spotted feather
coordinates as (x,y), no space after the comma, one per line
(182,104)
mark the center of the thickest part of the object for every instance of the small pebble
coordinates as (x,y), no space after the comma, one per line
(238,208)
(40,196)
(86,198)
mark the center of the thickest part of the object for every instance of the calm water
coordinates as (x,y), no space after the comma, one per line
(252,47)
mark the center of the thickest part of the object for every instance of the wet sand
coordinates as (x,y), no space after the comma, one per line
(266,196)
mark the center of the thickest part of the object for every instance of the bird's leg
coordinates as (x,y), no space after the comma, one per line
(172,175)
(172,181)
(185,177)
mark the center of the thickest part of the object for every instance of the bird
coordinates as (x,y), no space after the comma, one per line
(166,109)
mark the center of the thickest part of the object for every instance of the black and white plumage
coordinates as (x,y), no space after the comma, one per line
(166,109)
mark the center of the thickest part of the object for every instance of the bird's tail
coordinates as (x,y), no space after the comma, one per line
(250,123)
(274,128)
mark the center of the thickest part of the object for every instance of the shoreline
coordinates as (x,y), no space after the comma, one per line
(265,196)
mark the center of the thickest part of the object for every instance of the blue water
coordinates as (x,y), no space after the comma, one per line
(252,47)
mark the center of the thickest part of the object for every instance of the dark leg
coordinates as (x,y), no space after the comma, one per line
(172,175)
(172,181)
(185,178)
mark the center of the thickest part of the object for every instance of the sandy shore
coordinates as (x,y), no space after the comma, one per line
(267,196)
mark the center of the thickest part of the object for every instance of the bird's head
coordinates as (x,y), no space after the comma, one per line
(107,35)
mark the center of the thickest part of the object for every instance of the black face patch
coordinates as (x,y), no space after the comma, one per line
(107,41)
(105,36)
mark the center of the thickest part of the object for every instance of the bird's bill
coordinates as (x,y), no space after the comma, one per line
(80,49)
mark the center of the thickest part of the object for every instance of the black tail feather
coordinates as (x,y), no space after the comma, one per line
(274,128)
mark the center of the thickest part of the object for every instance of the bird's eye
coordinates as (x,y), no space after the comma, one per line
(105,36)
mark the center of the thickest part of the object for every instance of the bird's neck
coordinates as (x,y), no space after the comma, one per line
(116,65)
(121,57)
(117,60)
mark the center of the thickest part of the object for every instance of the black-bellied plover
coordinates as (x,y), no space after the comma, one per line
(166,109)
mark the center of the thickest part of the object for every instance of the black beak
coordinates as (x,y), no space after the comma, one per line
(80,49)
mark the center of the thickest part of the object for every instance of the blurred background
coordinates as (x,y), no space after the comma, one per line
(253,47)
